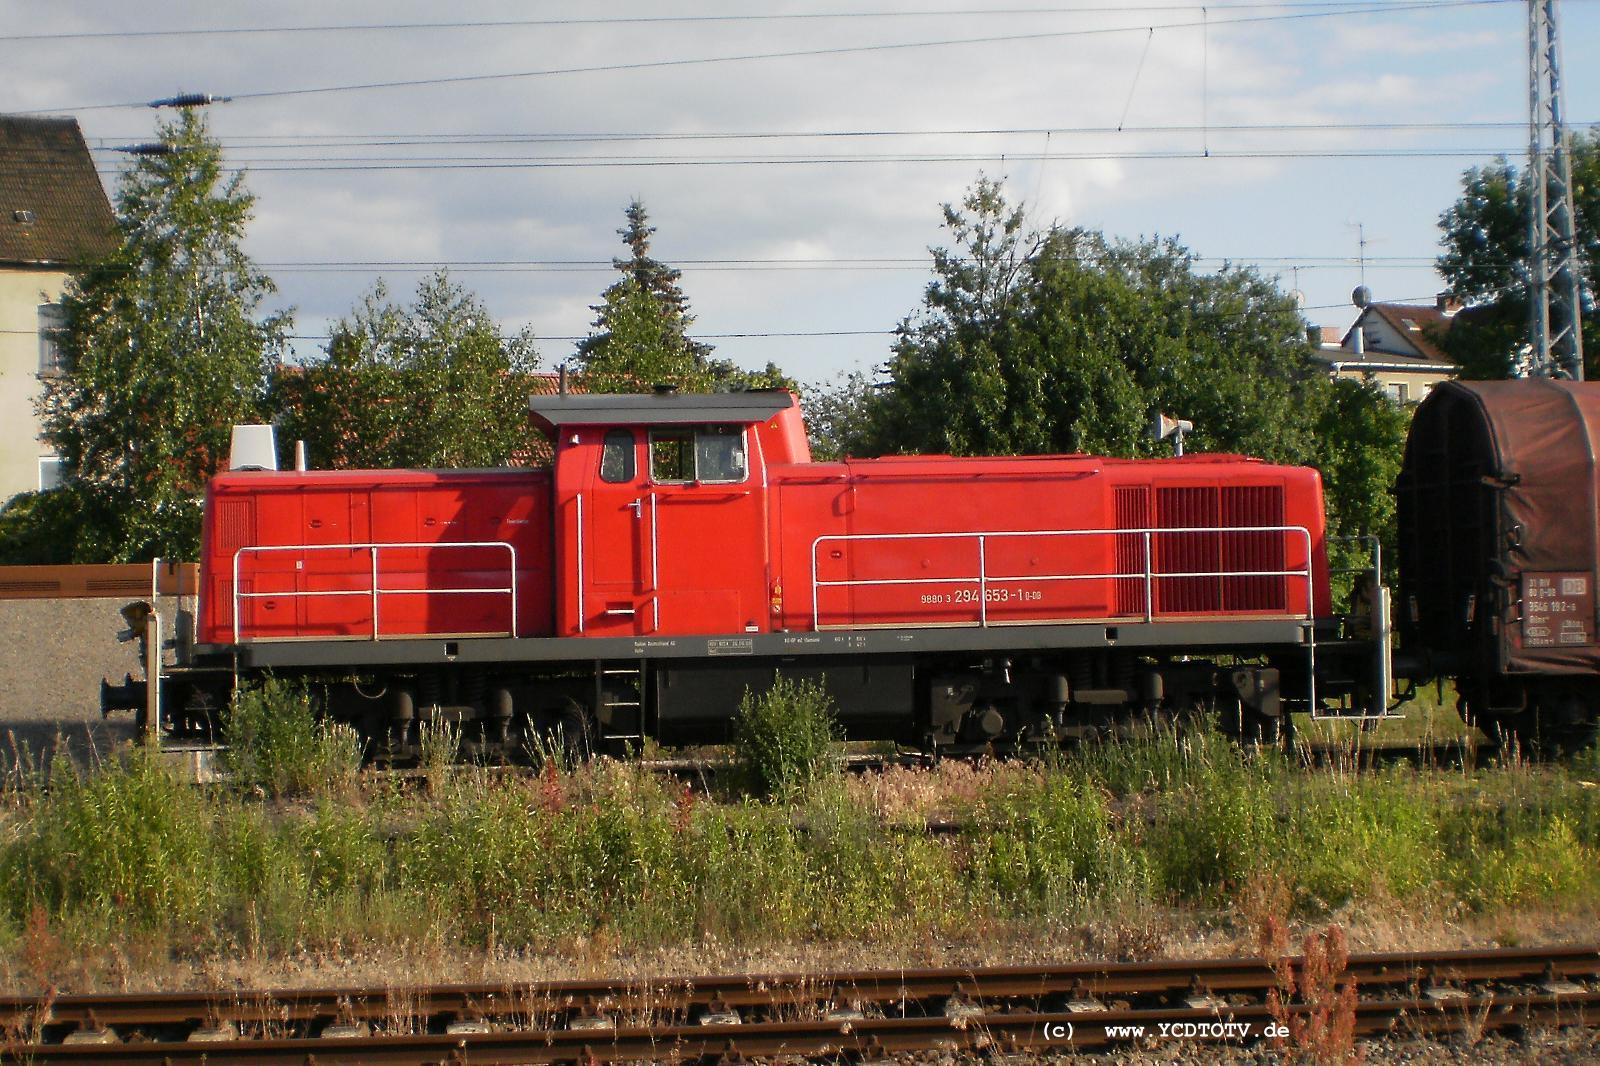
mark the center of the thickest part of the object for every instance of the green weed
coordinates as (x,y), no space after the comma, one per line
(787,737)
(279,744)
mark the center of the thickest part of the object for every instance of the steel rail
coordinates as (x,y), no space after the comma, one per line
(903,991)
(868,1037)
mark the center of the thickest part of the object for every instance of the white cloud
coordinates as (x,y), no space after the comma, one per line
(1300,71)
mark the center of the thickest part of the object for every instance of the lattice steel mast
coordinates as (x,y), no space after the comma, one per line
(1555,323)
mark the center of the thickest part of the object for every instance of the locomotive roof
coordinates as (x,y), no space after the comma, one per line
(659,408)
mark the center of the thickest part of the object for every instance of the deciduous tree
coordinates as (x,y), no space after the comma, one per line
(1063,341)
(435,384)
(167,349)
(1485,260)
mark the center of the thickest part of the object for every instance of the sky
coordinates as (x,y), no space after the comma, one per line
(795,156)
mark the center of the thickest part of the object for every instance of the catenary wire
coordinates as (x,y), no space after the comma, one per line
(802,53)
(655,20)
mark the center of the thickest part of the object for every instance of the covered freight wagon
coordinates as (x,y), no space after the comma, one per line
(1498,529)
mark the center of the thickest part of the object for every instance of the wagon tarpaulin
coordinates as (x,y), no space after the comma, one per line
(1532,446)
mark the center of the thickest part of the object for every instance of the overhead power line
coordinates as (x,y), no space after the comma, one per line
(656,20)
(316,166)
(808,53)
(272,142)
(587,266)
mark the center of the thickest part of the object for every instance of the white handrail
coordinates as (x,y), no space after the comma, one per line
(374,548)
(983,578)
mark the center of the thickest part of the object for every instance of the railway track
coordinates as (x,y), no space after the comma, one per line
(857,1013)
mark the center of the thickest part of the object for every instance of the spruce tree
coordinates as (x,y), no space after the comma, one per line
(640,334)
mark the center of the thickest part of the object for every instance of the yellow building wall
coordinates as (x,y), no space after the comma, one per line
(21,293)
(1417,384)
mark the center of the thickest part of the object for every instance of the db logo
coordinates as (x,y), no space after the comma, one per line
(1058,1031)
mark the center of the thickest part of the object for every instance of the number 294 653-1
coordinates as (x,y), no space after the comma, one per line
(998,594)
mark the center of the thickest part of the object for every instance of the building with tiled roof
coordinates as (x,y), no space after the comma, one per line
(1395,345)
(54,218)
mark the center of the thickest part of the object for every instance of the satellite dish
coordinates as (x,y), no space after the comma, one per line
(1361,297)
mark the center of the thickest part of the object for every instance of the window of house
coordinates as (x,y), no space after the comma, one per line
(708,454)
(50,472)
(1399,392)
(52,360)
(616,456)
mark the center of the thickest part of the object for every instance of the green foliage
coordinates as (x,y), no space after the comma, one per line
(430,385)
(278,743)
(611,851)
(167,352)
(1048,842)
(62,525)
(787,737)
(1063,341)
(1485,238)
(1209,836)
(1377,836)
(1162,758)
(1359,444)
(837,416)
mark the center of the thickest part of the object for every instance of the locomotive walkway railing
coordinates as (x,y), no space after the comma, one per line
(1148,574)
(375,591)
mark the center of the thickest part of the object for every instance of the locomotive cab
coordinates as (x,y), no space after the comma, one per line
(661,509)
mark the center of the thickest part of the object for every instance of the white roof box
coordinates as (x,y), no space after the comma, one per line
(253,448)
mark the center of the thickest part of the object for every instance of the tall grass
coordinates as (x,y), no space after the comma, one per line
(608,850)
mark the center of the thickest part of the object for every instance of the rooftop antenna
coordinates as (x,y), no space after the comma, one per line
(1555,325)
(1361,248)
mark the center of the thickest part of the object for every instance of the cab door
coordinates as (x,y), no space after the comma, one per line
(706,521)
(616,541)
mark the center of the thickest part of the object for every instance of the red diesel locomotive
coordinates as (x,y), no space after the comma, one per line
(682,548)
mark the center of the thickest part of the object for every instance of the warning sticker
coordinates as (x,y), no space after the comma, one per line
(1557,610)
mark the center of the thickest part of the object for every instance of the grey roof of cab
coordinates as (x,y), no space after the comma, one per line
(591,409)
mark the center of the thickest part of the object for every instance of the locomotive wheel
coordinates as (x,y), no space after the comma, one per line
(566,734)
(1247,725)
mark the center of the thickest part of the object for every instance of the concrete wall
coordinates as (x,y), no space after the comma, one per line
(53,654)
(21,293)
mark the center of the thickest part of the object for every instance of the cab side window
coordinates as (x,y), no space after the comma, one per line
(671,455)
(719,454)
(616,456)
(707,454)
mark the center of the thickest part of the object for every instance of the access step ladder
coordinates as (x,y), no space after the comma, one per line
(619,701)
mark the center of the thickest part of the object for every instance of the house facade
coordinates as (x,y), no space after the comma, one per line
(54,217)
(1396,345)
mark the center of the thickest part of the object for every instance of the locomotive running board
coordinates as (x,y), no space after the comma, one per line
(1282,633)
